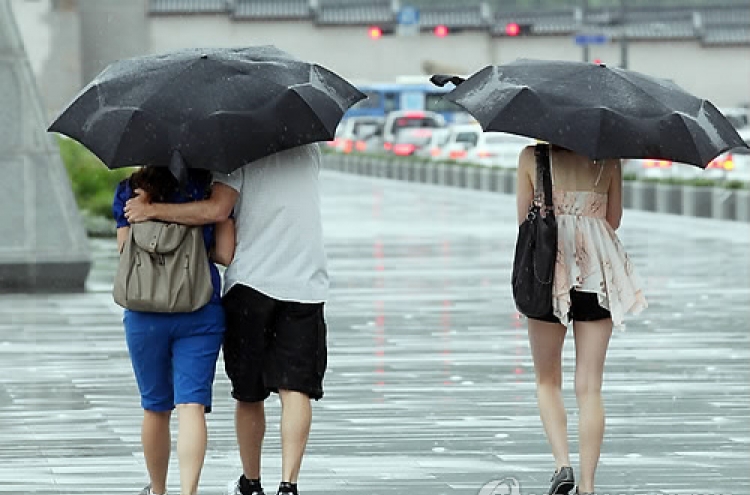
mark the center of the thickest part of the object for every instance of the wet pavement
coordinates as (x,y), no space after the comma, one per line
(430,388)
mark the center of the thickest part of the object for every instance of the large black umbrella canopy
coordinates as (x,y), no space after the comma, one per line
(214,108)
(595,110)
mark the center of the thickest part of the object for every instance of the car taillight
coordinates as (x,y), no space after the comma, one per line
(725,162)
(387,145)
(656,163)
(360,146)
(334,142)
(348,144)
(457,154)
(485,154)
(435,152)
(404,149)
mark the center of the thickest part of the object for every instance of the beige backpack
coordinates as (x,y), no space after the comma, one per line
(164,268)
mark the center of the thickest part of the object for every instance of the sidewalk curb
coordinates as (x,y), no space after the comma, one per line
(706,202)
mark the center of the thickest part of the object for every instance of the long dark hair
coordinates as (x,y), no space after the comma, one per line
(162,187)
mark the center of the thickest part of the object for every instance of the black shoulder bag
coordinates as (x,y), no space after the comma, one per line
(536,247)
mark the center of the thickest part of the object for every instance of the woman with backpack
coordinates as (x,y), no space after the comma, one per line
(174,354)
(594,285)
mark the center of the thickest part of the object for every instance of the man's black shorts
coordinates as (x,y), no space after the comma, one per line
(584,306)
(271,345)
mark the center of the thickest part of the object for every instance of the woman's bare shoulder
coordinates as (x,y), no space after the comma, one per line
(526,157)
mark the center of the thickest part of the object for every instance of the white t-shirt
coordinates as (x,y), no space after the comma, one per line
(279,248)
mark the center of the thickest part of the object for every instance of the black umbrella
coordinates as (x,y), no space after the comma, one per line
(214,109)
(594,110)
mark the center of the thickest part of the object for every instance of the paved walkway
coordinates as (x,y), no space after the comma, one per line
(430,388)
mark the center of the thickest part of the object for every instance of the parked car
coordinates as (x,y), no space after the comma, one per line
(355,133)
(409,119)
(434,147)
(729,166)
(461,139)
(409,141)
(498,149)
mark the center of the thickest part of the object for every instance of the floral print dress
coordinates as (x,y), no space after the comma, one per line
(591,258)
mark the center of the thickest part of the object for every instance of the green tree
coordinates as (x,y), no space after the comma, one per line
(93,183)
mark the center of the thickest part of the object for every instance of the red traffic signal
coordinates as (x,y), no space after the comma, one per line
(441,31)
(516,29)
(375,32)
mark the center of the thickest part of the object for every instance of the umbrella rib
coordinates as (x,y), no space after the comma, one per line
(682,119)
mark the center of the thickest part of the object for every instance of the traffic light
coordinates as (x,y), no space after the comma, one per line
(377,32)
(441,31)
(515,29)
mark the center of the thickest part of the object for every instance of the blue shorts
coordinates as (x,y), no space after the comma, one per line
(174,355)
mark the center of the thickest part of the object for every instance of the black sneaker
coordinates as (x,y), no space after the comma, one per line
(562,481)
(252,488)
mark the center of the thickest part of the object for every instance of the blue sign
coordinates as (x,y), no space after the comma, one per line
(408,16)
(591,39)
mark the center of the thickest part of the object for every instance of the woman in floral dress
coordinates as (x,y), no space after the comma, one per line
(595,285)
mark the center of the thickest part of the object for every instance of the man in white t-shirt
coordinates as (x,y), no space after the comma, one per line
(274,292)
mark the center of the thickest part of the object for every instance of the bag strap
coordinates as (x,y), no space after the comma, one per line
(543,177)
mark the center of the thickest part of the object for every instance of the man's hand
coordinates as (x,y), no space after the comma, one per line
(138,208)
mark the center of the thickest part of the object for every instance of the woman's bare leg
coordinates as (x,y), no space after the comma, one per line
(156,447)
(192,438)
(592,340)
(546,341)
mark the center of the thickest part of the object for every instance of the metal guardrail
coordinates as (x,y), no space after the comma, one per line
(698,201)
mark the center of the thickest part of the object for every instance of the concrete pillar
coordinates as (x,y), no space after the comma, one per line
(111,30)
(644,196)
(475,177)
(508,181)
(43,244)
(742,205)
(669,199)
(723,203)
(627,194)
(484,178)
(381,167)
(494,180)
(442,173)
(697,201)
